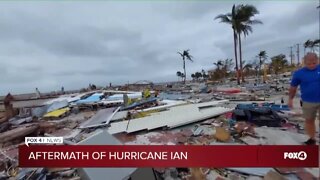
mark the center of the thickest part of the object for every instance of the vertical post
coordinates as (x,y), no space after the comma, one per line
(298,55)
(291,55)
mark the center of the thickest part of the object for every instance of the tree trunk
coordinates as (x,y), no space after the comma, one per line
(260,64)
(241,65)
(184,70)
(235,55)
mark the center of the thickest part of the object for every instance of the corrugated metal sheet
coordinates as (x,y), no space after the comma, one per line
(120,96)
(174,117)
(39,111)
(120,115)
(70,98)
(140,103)
(57,105)
(165,104)
(102,117)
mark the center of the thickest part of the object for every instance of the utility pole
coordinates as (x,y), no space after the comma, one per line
(298,55)
(291,55)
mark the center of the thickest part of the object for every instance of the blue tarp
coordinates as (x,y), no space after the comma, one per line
(91,99)
(275,107)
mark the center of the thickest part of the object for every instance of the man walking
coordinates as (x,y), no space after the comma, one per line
(308,78)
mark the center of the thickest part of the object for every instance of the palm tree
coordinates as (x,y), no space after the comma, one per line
(308,44)
(179,74)
(256,68)
(183,76)
(278,63)
(185,55)
(240,20)
(312,44)
(262,58)
(203,72)
(226,66)
(245,14)
(193,76)
(198,75)
(219,64)
(220,69)
(231,18)
(247,67)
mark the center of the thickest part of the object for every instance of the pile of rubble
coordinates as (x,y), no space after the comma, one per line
(194,116)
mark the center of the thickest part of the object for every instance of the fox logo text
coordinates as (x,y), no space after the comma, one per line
(295,155)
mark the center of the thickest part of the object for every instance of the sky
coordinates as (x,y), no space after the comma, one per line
(48,44)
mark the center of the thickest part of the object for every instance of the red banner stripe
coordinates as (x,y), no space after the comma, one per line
(168,156)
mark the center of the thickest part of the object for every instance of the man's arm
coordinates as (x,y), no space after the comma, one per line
(295,82)
(292,94)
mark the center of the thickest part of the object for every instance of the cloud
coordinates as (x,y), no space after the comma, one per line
(53,44)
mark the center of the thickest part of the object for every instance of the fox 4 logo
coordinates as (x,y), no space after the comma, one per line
(295,155)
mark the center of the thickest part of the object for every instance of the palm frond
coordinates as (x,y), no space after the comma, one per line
(254,21)
(246,29)
(224,18)
(306,44)
(233,11)
(242,20)
(245,12)
(189,57)
(250,9)
(262,53)
(317,41)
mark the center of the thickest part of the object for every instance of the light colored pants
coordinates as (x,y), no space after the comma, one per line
(310,110)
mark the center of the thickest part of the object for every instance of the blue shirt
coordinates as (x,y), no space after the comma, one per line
(309,81)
